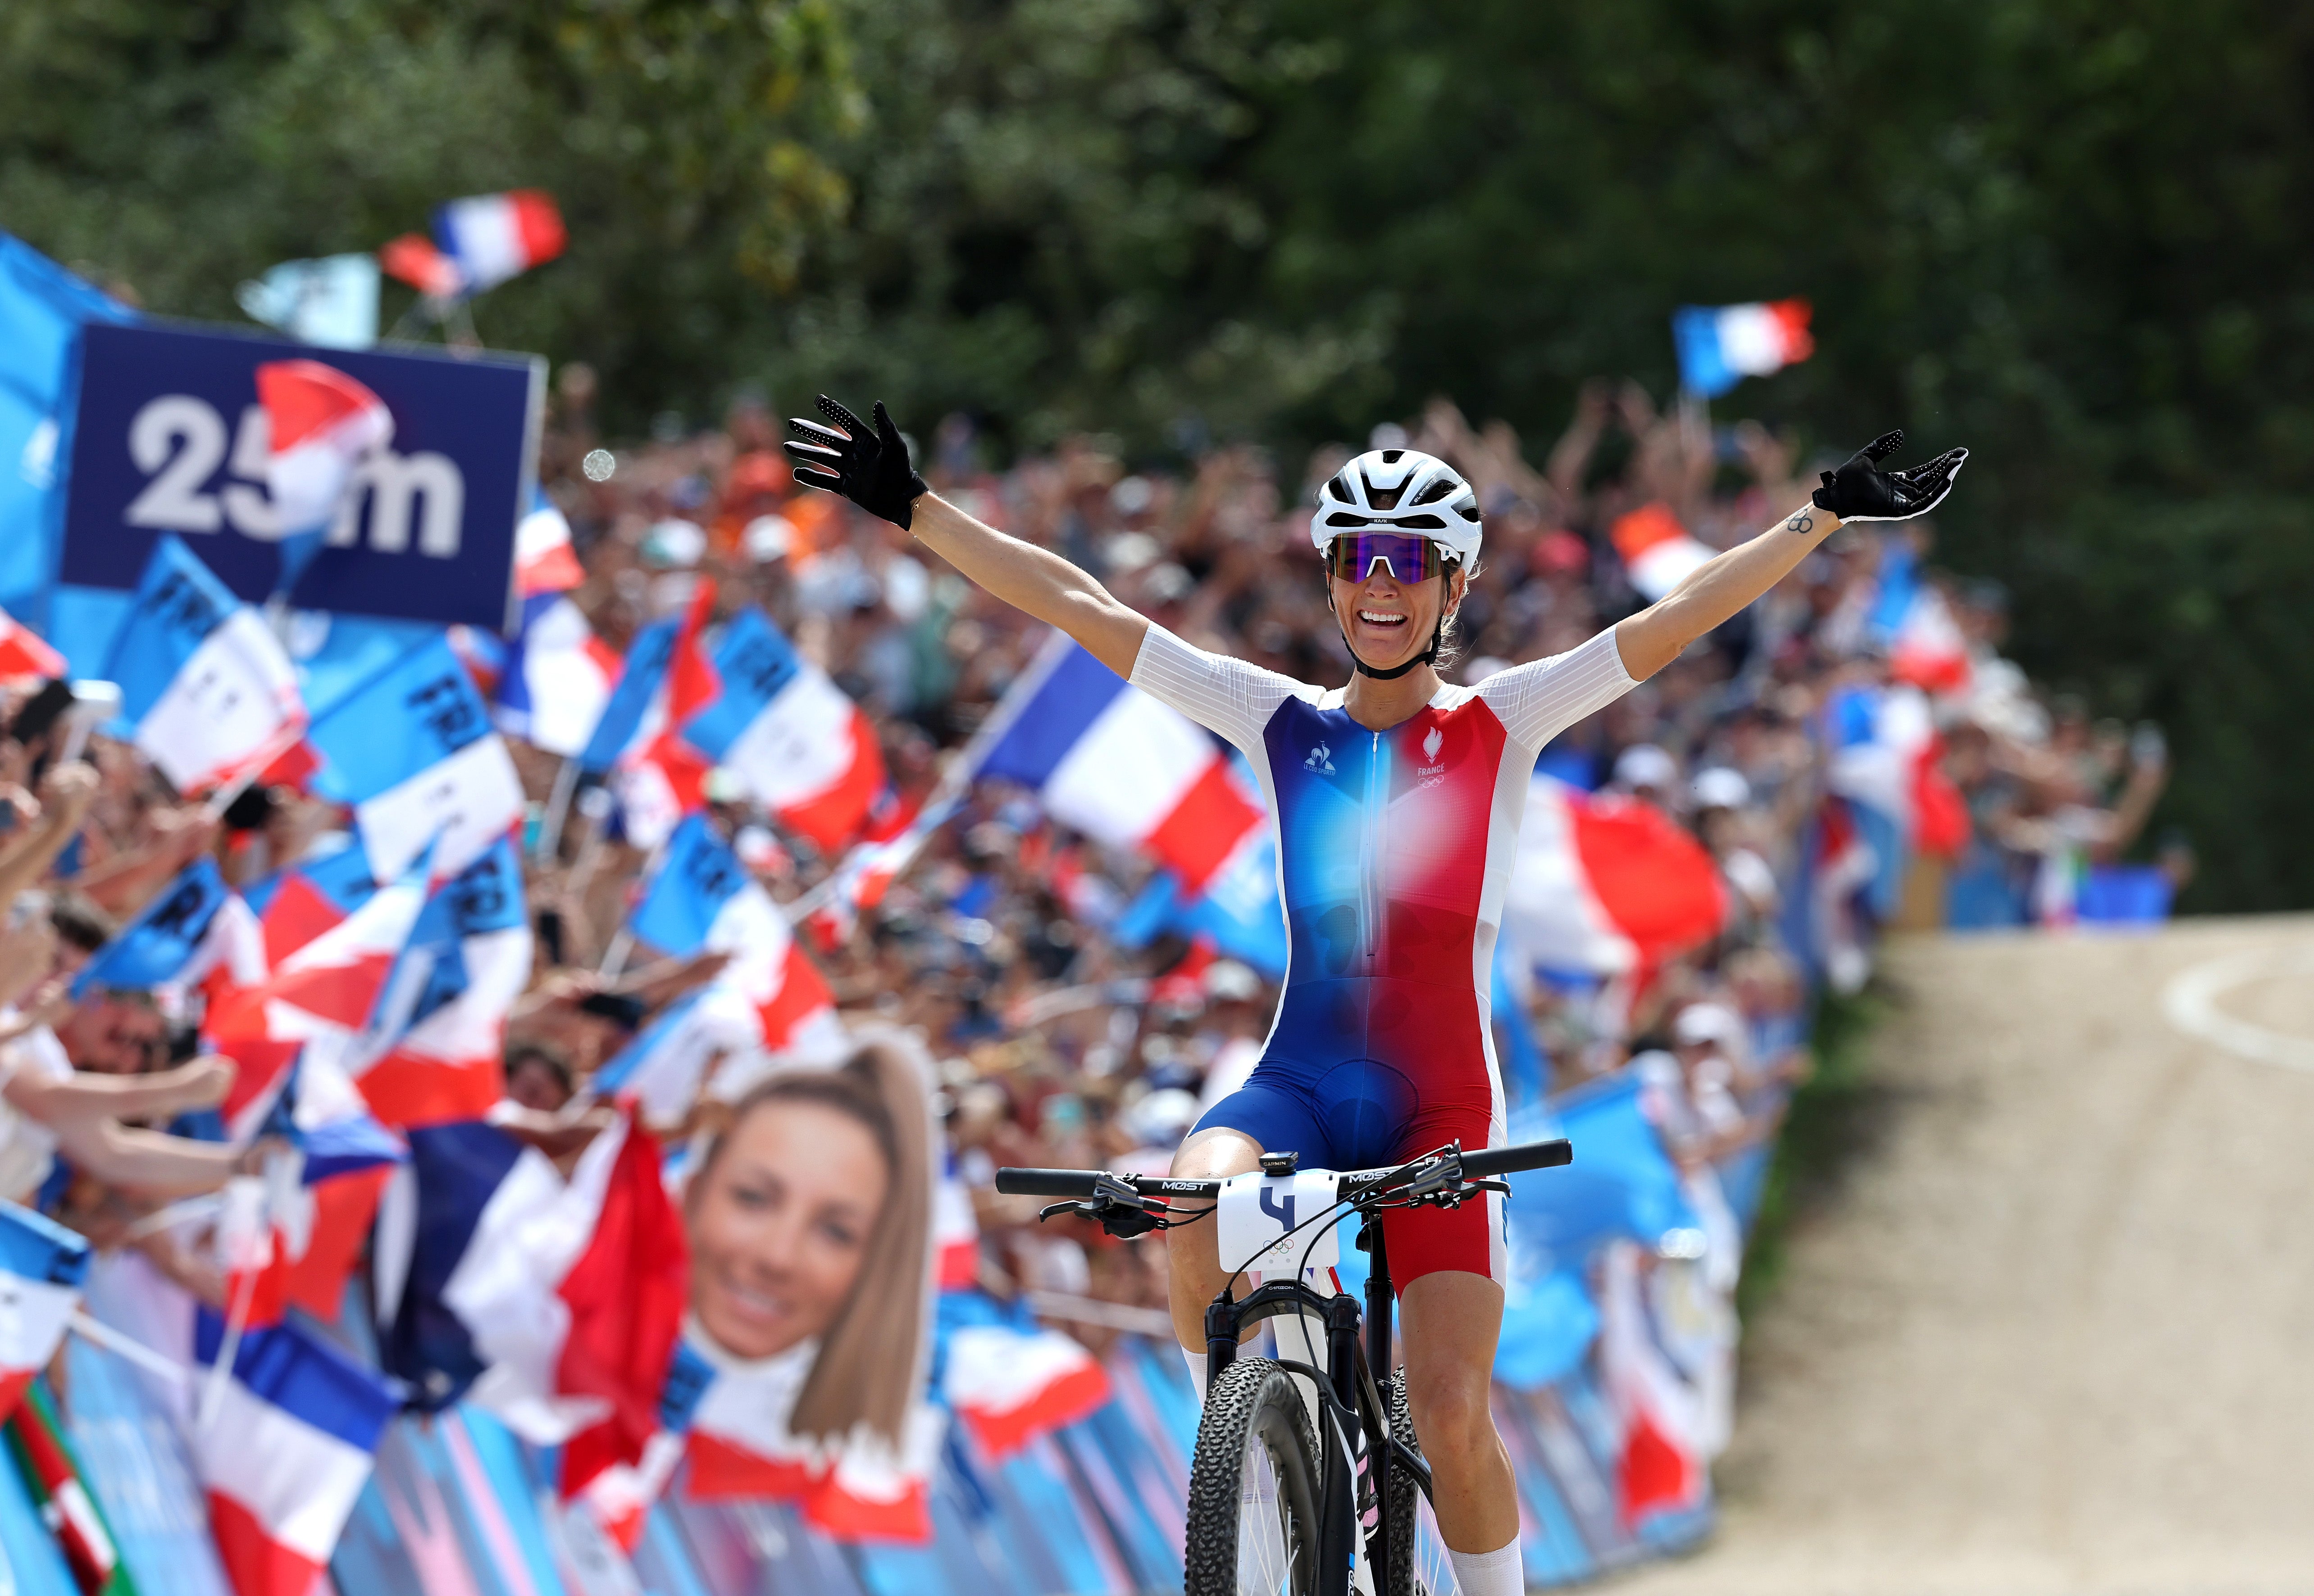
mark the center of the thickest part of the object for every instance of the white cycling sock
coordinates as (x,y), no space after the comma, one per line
(1489,1573)
(1197,1362)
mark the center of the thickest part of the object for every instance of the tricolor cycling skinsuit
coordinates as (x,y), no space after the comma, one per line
(1394,850)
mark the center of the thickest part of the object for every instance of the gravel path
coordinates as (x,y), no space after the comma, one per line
(2056,1334)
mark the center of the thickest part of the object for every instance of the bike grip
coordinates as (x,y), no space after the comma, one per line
(1506,1160)
(1047,1183)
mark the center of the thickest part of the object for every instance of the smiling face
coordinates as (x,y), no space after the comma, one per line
(780,1223)
(115,1035)
(1388,621)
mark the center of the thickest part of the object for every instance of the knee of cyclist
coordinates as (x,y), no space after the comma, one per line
(1451,1412)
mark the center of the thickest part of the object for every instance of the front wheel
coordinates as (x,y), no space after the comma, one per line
(1253,1488)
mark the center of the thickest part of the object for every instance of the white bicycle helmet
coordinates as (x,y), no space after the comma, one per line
(1431,500)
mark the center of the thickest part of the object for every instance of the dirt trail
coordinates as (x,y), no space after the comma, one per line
(2057,1334)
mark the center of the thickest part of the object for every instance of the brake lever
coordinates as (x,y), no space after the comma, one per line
(1443,1172)
(1462,1191)
(1116,1208)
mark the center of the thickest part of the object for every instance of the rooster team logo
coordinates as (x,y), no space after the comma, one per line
(1321,760)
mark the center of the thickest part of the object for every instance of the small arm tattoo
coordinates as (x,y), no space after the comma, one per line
(1801,521)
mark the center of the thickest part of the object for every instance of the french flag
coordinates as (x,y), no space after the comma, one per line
(662,1069)
(320,425)
(1237,912)
(286,1452)
(42,1266)
(702,900)
(1886,759)
(413,258)
(555,1305)
(1721,345)
(1607,885)
(668,678)
(494,237)
(348,1161)
(298,903)
(1657,552)
(292,1234)
(263,1223)
(195,930)
(740,1448)
(413,752)
(1661,1464)
(23,653)
(804,749)
(545,560)
(203,679)
(861,879)
(1913,621)
(467,959)
(329,992)
(955,1231)
(1120,767)
(559,678)
(1010,1386)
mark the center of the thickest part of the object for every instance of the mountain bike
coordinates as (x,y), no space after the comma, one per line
(1280,1504)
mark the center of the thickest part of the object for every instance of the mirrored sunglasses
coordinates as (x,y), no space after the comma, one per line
(1351,557)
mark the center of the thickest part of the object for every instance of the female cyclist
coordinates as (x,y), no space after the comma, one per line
(1397,800)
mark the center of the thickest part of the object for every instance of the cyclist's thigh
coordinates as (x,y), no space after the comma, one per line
(1425,1240)
(1275,1114)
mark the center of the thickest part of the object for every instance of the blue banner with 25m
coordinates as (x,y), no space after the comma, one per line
(171,438)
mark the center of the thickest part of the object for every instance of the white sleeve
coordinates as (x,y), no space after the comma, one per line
(1537,701)
(1223,695)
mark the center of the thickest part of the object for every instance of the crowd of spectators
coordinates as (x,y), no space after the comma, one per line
(1061,1045)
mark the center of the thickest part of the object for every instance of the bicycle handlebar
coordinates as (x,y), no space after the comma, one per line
(1509,1160)
(1080,1183)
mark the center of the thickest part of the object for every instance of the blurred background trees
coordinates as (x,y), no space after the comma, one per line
(2073,235)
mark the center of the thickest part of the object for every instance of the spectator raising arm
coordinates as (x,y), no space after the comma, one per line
(67,791)
(1859,491)
(149,1162)
(82,1095)
(869,466)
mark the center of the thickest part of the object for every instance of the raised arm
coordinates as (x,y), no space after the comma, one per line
(199,1083)
(870,467)
(1860,491)
(66,794)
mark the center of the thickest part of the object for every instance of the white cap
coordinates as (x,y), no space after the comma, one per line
(768,538)
(674,542)
(1162,1118)
(1228,981)
(1720,787)
(1706,1022)
(1643,764)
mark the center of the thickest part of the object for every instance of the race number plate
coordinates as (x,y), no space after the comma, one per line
(1258,1210)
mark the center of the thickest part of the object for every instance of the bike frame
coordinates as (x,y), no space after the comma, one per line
(1349,1392)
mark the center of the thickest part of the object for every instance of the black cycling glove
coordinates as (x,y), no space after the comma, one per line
(870,469)
(1860,491)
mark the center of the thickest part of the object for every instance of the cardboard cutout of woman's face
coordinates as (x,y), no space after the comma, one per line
(779,1225)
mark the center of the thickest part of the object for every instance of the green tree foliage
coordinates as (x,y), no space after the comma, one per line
(2071,235)
(179,146)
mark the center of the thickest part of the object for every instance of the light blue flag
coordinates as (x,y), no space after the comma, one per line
(699,874)
(178,603)
(1621,1183)
(42,309)
(163,939)
(411,716)
(332,302)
